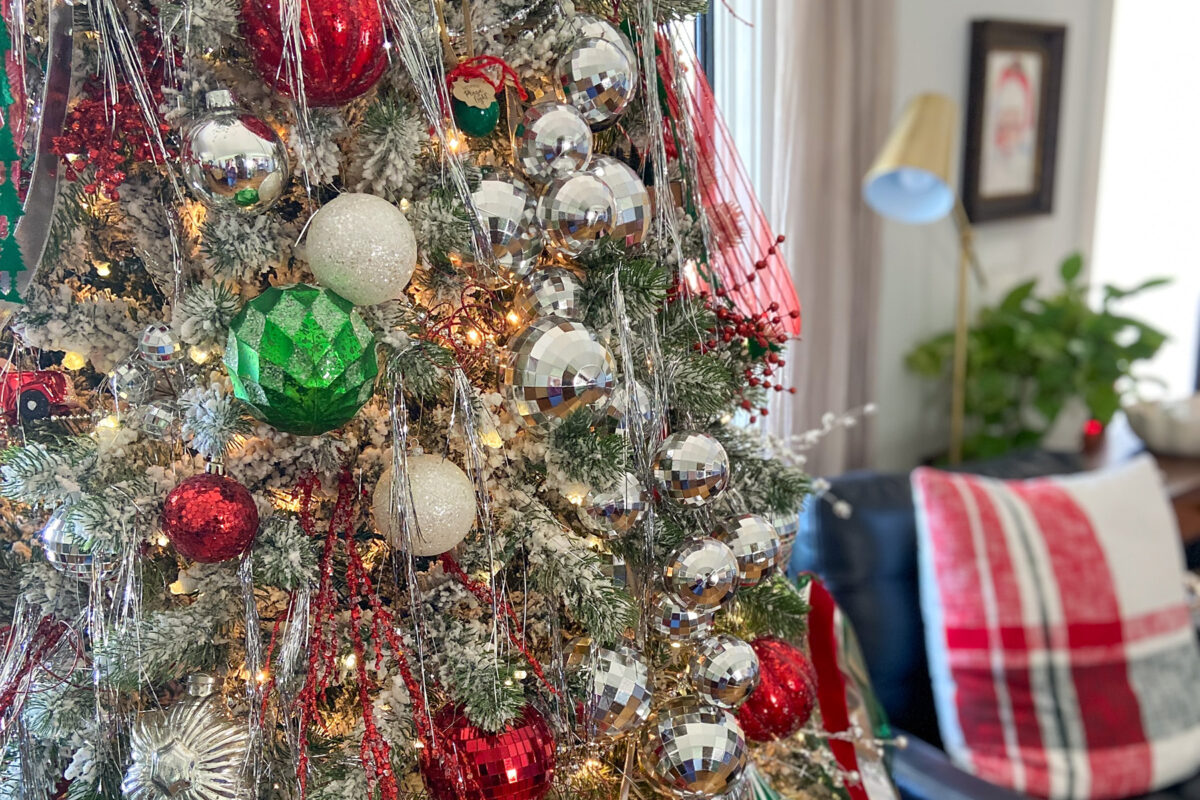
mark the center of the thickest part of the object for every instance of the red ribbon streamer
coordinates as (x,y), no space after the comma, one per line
(477,66)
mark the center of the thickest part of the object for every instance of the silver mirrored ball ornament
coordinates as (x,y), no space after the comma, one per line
(552,140)
(598,78)
(691,468)
(724,670)
(630,398)
(576,213)
(132,382)
(555,366)
(619,692)
(754,543)
(71,552)
(631,199)
(693,751)
(552,291)
(159,346)
(621,507)
(673,620)
(589,26)
(788,527)
(701,573)
(507,208)
(158,418)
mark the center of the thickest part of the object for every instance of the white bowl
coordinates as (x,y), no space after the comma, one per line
(1169,427)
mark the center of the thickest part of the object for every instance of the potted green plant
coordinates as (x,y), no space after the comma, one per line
(1030,358)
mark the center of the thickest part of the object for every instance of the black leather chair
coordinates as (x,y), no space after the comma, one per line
(869,563)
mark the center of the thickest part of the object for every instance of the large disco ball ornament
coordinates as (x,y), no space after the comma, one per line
(619,692)
(754,543)
(724,670)
(550,292)
(786,695)
(302,358)
(159,346)
(234,161)
(507,208)
(676,622)
(361,247)
(576,212)
(72,552)
(621,507)
(631,199)
(443,505)
(691,468)
(598,78)
(554,367)
(515,763)
(552,140)
(701,573)
(693,751)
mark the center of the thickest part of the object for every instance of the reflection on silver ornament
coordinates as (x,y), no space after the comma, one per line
(621,507)
(691,468)
(232,160)
(554,367)
(631,199)
(693,751)
(724,670)
(576,213)
(598,78)
(507,209)
(619,692)
(754,543)
(159,346)
(551,141)
(132,382)
(701,573)
(630,398)
(672,620)
(157,419)
(71,552)
(550,292)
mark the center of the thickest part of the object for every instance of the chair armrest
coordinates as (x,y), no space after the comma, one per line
(923,772)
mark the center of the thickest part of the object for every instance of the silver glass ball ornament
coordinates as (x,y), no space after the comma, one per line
(631,199)
(701,573)
(159,346)
(552,291)
(691,468)
(693,751)
(158,418)
(234,161)
(555,366)
(132,382)
(754,543)
(672,620)
(589,26)
(724,670)
(576,212)
(507,208)
(552,140)
(619,692)
(71,552)
(598,78)
(621,507)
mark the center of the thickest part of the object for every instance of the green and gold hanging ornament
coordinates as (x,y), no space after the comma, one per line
(474,93)
(12,261)
(302,358)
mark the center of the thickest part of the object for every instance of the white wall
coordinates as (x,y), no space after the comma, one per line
(917,296)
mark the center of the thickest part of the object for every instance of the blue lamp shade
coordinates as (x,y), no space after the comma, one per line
(911,180)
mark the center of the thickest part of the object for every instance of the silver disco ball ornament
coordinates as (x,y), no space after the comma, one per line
(589,26)
(620,508)
(754,543)
(672,620)
(552,140)
(788,527)
(631,199)
(701,573)
(630,398)
(550,292)
(132,382)
(576,212)
(691,468)
(555,366)
(693,751)
(158,418)
(613,567)
(619,692)
(233,161)
(71,552)
(598,78)
(159,346)
(507,208)
(724,670)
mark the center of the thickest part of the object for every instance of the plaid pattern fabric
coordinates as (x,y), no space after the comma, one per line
(1063,658)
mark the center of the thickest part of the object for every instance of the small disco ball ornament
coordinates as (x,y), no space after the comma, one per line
(629,398)
(71,552)
(755,544)
(693,751)
(578,652)
(576,212)
(621,507)
(691,468)
(724,670)
(788,528)
(554,367)
(234,161)
(786,695)
(552,140)
(598,78)
(443,505)
(701,573)
(132,382)
(619,692)
(158,418)
(631,199)
(673,620)
(210,518)
(159,346)
(589,26)
(361,247)
(302,358)
(507,208)
(190,751)
(550,292)
(514,763)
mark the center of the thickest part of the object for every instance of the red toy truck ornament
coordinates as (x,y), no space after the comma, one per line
(34,395)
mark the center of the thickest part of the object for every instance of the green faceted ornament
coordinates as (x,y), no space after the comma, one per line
(477,122)
(245,197)
(302,358)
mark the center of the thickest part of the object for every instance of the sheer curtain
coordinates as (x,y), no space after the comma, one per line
(807,88)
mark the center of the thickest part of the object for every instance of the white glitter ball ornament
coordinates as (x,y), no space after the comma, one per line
(443,507)
(361,247)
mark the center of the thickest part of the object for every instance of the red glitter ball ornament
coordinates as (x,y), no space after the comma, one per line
(786,692)
(210,518)
(516,763)
(342,53)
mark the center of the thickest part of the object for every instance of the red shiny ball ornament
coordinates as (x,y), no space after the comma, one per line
(786,694)
(516,763)
(210,518)
(342,52)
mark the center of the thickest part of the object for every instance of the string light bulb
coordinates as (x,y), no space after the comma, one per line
(72,360)
(103,269)
(198,354)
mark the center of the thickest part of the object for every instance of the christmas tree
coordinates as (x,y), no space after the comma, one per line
(414,455)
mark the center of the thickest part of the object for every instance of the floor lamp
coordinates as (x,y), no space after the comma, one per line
(912,182)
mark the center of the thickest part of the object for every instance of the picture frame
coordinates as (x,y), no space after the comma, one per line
(1013,106)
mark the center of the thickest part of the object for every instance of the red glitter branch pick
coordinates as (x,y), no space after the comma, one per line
(478,66)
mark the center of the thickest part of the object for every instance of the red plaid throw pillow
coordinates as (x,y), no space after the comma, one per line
(1063,658)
